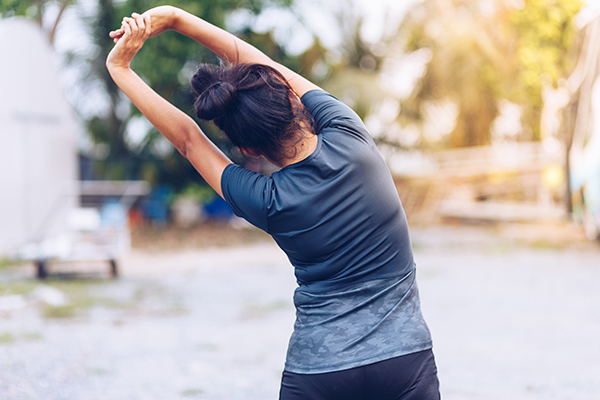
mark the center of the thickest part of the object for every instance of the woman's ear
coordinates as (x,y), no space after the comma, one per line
(248,152)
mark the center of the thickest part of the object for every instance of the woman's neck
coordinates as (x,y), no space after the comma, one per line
(301,150)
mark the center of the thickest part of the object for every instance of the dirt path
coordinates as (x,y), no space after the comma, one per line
(513,310)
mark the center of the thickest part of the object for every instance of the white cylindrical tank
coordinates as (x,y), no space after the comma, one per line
(38,130)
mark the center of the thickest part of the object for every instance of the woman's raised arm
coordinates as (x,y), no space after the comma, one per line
(225,45)
(171,122)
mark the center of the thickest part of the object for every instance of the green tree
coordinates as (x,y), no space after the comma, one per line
(482,54)
(38,10)
(544,39)
(166,62)
(353,66)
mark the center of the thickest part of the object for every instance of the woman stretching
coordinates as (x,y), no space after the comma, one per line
(332,208)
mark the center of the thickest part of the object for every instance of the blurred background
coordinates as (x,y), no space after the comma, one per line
(486,112)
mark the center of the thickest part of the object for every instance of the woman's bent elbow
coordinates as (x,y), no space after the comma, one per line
(183,148)
(187,143)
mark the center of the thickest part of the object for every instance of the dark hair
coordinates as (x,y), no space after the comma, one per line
(254,105)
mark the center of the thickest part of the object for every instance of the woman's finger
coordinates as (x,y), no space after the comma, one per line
(126,27)
(139,22)
(128,22)
(132,26)
(116,33)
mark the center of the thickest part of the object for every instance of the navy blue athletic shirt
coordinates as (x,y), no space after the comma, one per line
(337,216)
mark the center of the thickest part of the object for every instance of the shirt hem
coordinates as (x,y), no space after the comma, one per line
(360,363)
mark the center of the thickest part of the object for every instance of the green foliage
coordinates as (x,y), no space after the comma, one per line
(7,338)
(6,262)
(202,193)
(166,63)
(30,8)
(465,67)
(36,10)
(194,392)
(60,312)
(10,338)
(544,36)
(479,58)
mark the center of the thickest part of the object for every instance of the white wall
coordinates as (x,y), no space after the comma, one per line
(38,157)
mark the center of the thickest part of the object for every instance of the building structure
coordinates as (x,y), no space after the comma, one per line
(38,140)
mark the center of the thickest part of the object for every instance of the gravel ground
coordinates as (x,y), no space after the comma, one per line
(513,311)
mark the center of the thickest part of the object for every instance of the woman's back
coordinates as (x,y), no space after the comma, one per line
(338,217)
(336,214)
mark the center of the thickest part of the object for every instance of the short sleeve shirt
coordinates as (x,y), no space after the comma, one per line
(338,217)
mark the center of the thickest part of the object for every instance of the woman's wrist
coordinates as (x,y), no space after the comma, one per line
(116,63)
(117,71)
(115,67)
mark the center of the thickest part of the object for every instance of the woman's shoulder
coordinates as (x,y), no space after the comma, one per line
(330,112)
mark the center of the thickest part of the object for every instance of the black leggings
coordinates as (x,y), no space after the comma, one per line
(409,377)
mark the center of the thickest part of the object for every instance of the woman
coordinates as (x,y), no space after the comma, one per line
(333,209)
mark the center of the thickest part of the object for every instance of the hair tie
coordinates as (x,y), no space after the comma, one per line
(219,83)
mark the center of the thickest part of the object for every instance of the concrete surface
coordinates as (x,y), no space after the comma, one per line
(510,319)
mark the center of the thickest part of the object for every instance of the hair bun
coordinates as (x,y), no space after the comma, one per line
(215,100)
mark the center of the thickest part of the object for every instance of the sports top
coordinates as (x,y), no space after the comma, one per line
(337,216)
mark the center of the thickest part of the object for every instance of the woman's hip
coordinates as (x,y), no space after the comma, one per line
(407,377)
